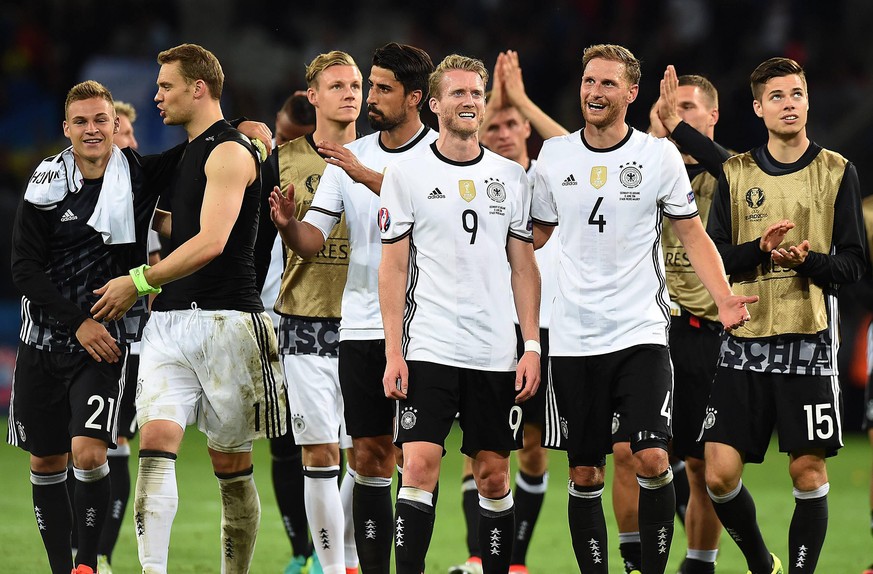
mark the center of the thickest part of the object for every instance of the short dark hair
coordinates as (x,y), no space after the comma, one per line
(299,110)
(87,90)
(196,63)
(703,84)
(411,66)
(774,68)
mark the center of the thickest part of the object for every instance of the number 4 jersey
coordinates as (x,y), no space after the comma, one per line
(458,217)
(612,292)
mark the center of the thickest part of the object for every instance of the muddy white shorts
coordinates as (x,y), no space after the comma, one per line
(315,399)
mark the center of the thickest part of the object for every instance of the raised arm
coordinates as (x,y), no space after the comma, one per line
(301,237)
(514,94)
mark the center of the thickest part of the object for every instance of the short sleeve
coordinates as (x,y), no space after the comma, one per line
(395,214)
(543,209)
(675,194)
(521,226)
(327,203)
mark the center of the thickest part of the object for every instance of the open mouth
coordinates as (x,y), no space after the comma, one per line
(467,115)
(595,106)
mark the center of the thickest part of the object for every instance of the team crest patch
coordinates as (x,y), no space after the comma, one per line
(630,175)
(615,422)
(21,433)
(384,219)
(138,389)
(312,182)
(598,176)
(709,419)
(298,423)
(495,190)
(755,197)
(565,428)
(408,418)
(467,189)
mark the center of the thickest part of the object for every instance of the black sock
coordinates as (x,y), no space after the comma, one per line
(413,528)
(657,506)
(588,528)
(71,494)
(373,518)
(736,510)
(631,550)
(287,473)
(692,566)
(809,525)
(496,533)
(119,495)
(54,517)
(530,492)
(682,488)
(91,503)
(470,501)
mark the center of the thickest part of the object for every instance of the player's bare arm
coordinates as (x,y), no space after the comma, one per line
(302,238)
(707,264)
(514,94)
(162,222)
(229,170)
(526,285)
(258,131)
(541,234)
(393,271)
(340,156)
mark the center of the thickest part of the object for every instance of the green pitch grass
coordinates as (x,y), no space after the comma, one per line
(195,548)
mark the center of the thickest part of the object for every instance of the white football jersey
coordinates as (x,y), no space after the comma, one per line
(612,292)
(338,193)
(458,217)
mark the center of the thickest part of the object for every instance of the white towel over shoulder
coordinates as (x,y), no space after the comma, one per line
(113,218)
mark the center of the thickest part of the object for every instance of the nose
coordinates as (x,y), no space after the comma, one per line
(371,96)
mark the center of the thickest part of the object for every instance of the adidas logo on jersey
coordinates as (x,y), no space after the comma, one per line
(68,216)
(436,194)
(570,180)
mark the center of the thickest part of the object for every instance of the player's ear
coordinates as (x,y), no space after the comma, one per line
(759,111)
(434,105)
(415,96)
(117,125)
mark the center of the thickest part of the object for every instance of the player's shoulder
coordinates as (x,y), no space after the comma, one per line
(500,162)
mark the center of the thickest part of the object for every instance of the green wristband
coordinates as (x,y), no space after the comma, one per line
(139,281)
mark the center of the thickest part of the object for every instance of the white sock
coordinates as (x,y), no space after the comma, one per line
(324,511)
(346,488)
(155,503)
(240,518)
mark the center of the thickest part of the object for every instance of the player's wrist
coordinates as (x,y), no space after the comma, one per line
(141,283)
(531,345)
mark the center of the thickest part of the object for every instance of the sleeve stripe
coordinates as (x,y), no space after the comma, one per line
(689,216)
(398,238)
(546,223)
(336,214)
(525,238)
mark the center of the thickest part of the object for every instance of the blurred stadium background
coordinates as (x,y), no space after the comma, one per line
(48,45)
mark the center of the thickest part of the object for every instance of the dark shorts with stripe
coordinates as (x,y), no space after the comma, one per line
(595,401)
(483,400)
(368,412)
(57,396)
(534,409)
(745,406)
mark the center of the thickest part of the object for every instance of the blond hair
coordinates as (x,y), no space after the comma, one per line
(324,61)
(704,85)
(614,53)
(125,109)
(455,62)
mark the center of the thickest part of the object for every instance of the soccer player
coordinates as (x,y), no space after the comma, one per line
(449,220)
(867,206)
(787,221)
(309,308)
(295,119)
(509,117)
(83,219)
(209,350)
(610,374)
(349,185)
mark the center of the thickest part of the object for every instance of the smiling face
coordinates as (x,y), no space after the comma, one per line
(90,126)
(784,106)
(460,103)
(337,93)
(605,93)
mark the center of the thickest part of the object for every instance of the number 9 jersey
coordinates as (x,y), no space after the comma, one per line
(612,291)
(458,217)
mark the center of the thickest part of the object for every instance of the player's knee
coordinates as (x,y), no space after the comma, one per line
(719,482)
(808,471)
(650,451)
(374,457)
(48,464)
(587,476)
(533,461)
(493,482)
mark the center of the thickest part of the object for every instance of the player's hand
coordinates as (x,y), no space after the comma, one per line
(791,257)
(732,311)
(396,379)
(527,376)
(116,297)
(656,126)
(496,98)
(773,235)
(668,101)
(342,157)
(514,93)
(258,131)
(98,342)
(282,206)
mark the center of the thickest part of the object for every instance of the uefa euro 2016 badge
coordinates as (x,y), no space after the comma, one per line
(467,189)
(598,176)
(384,219)
(495,190)
(755,197)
